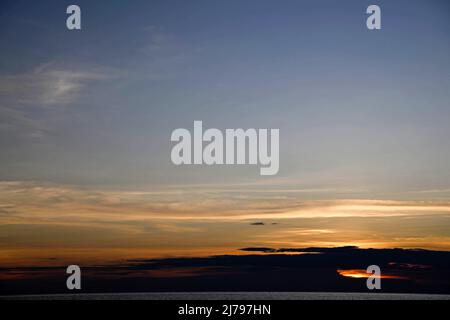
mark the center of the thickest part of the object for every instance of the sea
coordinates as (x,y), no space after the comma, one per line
(231,296)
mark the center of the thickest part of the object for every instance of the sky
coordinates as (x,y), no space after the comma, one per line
(86,118)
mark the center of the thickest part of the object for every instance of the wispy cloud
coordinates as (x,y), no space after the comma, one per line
(163,46)
(168,221)
(21,124)
(47,85)
(432,191)
(50,200)
(29,101)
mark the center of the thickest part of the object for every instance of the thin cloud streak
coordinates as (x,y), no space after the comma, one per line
(39,203)
(48,85)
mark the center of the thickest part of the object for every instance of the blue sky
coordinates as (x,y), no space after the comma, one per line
(357,109)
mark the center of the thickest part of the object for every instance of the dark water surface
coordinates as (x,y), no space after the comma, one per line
(232,296)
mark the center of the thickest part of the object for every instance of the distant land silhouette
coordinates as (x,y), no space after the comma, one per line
(339,269)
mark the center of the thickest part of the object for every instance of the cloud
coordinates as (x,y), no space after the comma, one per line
(164,222)
(447,190)
(163,46)
(174,204)
(159,41)
(166,227)
(259,249)
(28,100)
(47,85)
(20,124)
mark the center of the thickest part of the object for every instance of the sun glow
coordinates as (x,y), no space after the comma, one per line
(361,273)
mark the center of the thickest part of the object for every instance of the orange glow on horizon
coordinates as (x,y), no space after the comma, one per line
(361,273)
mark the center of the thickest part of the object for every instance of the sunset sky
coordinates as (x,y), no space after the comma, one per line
(86,118)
